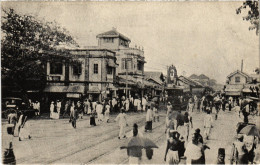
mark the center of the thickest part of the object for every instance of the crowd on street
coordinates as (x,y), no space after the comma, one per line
(182,143)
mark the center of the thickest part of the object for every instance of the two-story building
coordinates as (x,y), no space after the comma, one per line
(235,83)
(89,73)
(131,60)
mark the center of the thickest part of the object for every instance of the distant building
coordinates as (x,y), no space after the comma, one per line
(203,79)
(236,81)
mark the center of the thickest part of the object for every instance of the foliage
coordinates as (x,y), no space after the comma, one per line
(26,43)
(253,14)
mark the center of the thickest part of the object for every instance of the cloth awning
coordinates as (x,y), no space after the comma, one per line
(64,89)
(111,63)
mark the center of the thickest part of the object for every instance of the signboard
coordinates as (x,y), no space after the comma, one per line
(73,95)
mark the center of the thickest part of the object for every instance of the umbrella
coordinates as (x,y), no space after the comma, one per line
(250,130)
(139,142)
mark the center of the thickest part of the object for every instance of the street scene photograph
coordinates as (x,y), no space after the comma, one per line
(130,82)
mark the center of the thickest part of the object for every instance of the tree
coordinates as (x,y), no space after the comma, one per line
(253,14)
(26,43)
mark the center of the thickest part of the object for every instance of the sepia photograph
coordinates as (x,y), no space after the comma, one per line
(130,82)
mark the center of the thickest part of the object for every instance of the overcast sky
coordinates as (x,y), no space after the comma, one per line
(197,37)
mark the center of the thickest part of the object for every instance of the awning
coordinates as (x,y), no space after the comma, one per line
(55,89)
(76,89)
(246,90)
(64,89)
(111,63)
(233,93)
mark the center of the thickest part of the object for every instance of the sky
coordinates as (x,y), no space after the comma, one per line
(196,37)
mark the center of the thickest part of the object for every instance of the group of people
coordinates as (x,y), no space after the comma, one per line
(17,125)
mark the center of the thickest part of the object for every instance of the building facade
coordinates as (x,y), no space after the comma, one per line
(89,74)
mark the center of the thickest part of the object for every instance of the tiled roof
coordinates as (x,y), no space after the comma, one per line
(189,81)
(113,33)
(154,76)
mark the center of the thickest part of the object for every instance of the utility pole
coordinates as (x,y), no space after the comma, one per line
(242,65)
(126,84)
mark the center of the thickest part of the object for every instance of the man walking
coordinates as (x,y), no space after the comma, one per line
(121,119)
(207,124)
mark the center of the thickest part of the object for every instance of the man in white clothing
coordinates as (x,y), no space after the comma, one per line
(144,102)
(207,124)
(121,119)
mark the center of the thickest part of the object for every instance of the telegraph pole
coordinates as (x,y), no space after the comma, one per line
(126,84)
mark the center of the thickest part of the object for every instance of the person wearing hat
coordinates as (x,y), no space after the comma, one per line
(122,122)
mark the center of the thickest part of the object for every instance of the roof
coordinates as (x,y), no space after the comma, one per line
(202,76)
(193,76)
(113,33)
(155,76)
(189,81)
(239,72)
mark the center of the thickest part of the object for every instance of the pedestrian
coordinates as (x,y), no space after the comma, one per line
(173,145)
(107,112)
(66,108)
(23,127)
(127,104)
(139,106)
(71,110)
(221,156)
(169,107)
(92,116)
(12,119)
(74,115)
(155,113)
(239,153)
(99,110)
(194,151)
(122,122)
(246,112)
(52,106)
(188,124)
(114,103)
(207,124)
(8,156)
(199,136)
(149,119)
(229,105)
(134,153)
(37,107)
(58,106)
(79,108)
(144,102)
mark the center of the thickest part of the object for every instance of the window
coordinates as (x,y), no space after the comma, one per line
(127,63)
(140,66)
(237,79)
(109,70)
(109,40)
(95,68)
(55,68)
(77,69)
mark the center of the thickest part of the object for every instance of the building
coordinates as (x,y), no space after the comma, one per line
(203,79)
(131,61)
(156,79)
(90,73)
(236,82)
(191,86)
